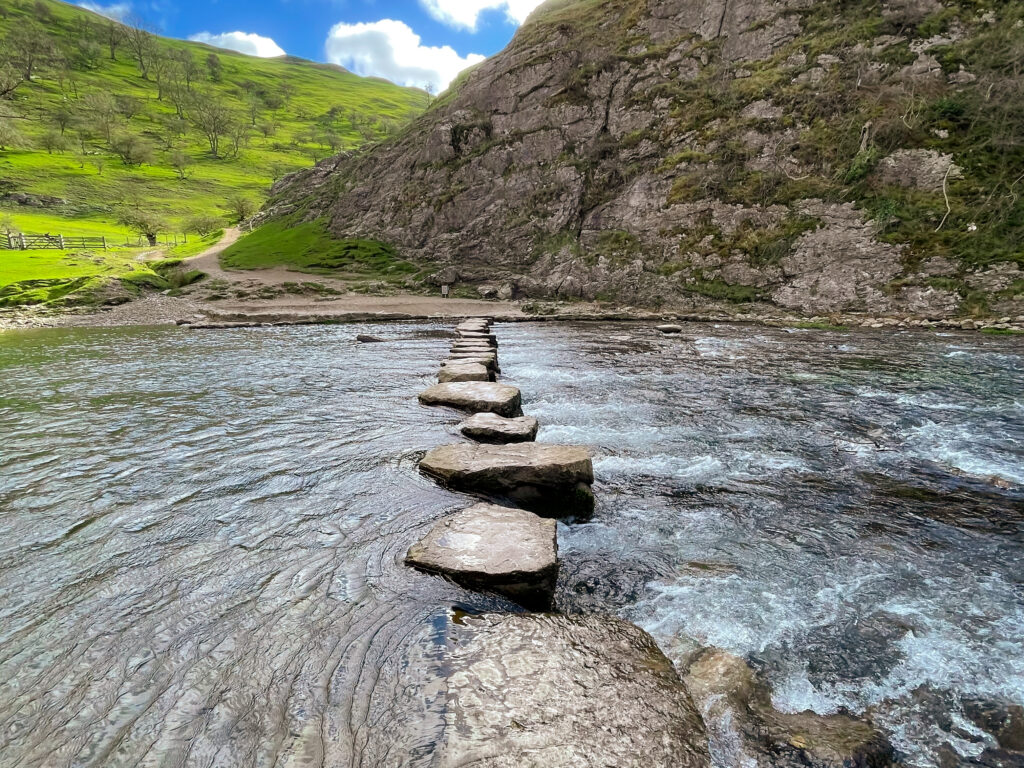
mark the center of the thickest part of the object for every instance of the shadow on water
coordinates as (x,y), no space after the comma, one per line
(205,531)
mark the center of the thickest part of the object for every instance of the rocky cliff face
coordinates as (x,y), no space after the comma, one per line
(813,155)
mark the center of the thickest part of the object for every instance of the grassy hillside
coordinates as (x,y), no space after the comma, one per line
(88,137)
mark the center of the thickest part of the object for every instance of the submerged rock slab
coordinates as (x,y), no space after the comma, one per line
(553,480)
(554,691)
(510,551)
(491,428)
(667,329)
(467,372)
(475,396)
(745,728)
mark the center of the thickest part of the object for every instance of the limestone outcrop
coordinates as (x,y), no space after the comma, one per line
(553,480)
(510,551)
(689,155)
(552,691)
(491,428)
(475,396)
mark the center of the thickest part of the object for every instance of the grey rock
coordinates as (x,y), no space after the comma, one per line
(364,338)
(923,169)
(745,729)
(491,428)
(466,372)
(475,396)
(510,551)
(553,480)
(669,328)
(552,691)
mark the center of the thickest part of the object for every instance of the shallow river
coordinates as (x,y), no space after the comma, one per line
(203,531)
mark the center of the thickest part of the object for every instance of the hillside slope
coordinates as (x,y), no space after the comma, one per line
(94,130)
(809,156)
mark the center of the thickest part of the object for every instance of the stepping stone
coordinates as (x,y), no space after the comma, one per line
(473,336)
(565,692)
(468,372)
(510,551)
(670,328)
(475,396)
(364,338)
(552,480)
(473,348)
(488,361)
(491,428)
(473,344)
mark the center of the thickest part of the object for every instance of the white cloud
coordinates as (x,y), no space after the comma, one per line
(466,13)
(390,49)
(115,11)
(243,42)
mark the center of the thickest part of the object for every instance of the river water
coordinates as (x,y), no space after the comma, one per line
(201,563)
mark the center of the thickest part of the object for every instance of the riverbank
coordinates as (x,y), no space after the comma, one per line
(154,310)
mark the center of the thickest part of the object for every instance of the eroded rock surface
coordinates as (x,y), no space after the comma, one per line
(475,396)
(551,691)
(550,479)
(510,551)
(491,428)
(745,730)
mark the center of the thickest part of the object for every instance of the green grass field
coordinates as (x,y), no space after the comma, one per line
(296,112)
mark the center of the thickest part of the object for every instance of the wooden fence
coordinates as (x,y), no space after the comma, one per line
(26,242)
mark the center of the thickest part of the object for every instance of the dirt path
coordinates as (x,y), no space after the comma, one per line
(209,262)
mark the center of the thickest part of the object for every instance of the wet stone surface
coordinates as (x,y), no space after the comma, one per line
(476,397)
(491,428)
(486,546)
(566,692)
(550,479)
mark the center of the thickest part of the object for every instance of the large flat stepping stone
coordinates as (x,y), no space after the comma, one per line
(553,691)
(553,480)
(510,551)
(491,428)
(475,396)
(467,372)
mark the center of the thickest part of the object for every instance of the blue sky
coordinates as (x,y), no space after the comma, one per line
(414,42)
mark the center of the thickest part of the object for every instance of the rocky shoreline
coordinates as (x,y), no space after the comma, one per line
(162,310)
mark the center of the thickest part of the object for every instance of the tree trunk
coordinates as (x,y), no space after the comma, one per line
(151,238)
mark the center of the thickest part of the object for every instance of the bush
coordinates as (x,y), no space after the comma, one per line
(204,225)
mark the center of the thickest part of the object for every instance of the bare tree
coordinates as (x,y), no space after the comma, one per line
(253,106)
(9,135)
(101,109)
(212,118)
(187,66)
(29,48)
(180,162)
(10,79)
(112,33)
(142,44)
